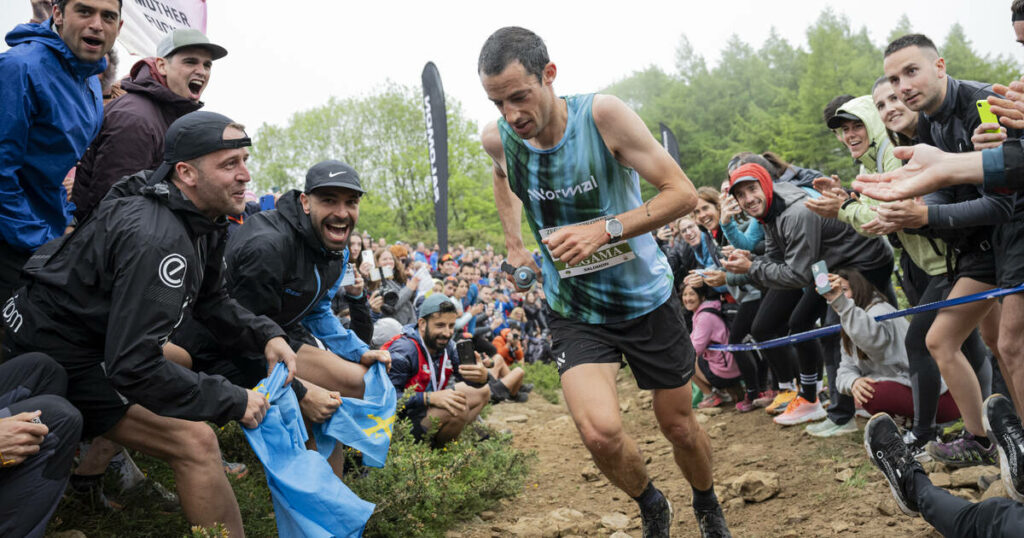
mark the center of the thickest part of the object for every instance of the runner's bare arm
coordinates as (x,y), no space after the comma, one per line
(632,144)
(510,207)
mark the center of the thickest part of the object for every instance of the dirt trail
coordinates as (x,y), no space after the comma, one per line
(811,501)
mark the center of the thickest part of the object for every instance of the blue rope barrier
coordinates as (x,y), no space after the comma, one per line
(833,329)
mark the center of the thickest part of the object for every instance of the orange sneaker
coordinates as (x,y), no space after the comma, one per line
(780,402)
(799,411)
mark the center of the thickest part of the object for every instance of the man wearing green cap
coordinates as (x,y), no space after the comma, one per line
(159,91)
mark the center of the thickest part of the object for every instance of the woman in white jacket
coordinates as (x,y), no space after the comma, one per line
(874,368)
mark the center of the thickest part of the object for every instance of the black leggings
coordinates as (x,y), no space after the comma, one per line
(752,372)
(772,321)
(30,491)
(924,372)
(953,516)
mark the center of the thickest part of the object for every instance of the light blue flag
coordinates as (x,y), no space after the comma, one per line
(363,424)
(309,500)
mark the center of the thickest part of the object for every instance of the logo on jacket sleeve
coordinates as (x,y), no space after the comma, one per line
(172,270)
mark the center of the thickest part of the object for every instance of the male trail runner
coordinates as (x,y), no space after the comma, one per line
(571,160)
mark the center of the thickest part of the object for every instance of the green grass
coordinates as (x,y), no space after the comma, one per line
(544,376)
(420,492)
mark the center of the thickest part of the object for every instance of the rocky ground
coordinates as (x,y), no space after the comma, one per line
(773,482)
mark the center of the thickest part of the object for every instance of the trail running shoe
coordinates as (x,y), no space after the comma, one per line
(964,451)
(710,400)
(799,411)
(712,523)
(1004,430)
(827,428)
(90,496)
(657,521)
(765,398)
(889,453)
(782,399)
(236,470)
(745,405)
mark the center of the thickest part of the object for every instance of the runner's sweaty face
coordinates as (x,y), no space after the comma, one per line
(525,102)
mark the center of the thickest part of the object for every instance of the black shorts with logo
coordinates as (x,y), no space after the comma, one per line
(656,345)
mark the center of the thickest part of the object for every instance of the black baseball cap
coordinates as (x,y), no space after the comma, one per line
(837,121)
(332,173)
(193,135)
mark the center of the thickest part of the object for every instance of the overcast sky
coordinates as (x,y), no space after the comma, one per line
(286,56)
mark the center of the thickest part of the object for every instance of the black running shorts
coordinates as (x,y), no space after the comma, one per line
(656,345)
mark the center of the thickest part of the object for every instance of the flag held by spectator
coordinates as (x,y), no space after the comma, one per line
(309,500)
(363,424)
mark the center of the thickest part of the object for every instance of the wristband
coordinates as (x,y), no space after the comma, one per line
(426,399)
(5,462)
(848,201)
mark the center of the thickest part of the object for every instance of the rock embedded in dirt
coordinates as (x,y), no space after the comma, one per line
(966,494)
(942,480)
(710,411)
(616,521)
(620,534)
(844,475)
(968,476)
(517,418)
(735,504)
(755,486)
(591,475)
(624,406)
(997,489)
(933,467)
(527,527)
(487,515)
(840,526)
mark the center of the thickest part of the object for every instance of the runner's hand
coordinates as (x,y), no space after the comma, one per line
(277,350)
(574,244)
(518,257)
(376,355)
(20,437)
(255,409)
(452,401)
(319,404)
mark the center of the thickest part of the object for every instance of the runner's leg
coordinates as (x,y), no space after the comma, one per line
(593,402)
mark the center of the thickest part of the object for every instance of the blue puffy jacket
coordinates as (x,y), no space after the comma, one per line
(52,109)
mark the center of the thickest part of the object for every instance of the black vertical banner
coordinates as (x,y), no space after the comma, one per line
(669,141)
(437,142)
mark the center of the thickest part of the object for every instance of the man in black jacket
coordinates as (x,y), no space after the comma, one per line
(984,250)
(282,264)
(103,300)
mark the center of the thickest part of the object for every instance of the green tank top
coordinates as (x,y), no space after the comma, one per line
(580,181)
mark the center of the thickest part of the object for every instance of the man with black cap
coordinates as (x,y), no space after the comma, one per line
(282,264)
(426,360)
(159,91)
(104,299)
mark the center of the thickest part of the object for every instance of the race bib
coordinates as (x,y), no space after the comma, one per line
(607,256)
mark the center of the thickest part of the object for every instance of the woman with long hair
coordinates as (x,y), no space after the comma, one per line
(874,369)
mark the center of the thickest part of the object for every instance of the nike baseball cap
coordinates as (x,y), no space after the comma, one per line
(332,173)
(193,135)
(180,38)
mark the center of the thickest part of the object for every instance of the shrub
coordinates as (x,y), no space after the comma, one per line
(544,376)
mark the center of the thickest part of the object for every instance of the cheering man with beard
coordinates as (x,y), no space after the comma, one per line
(283,264)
